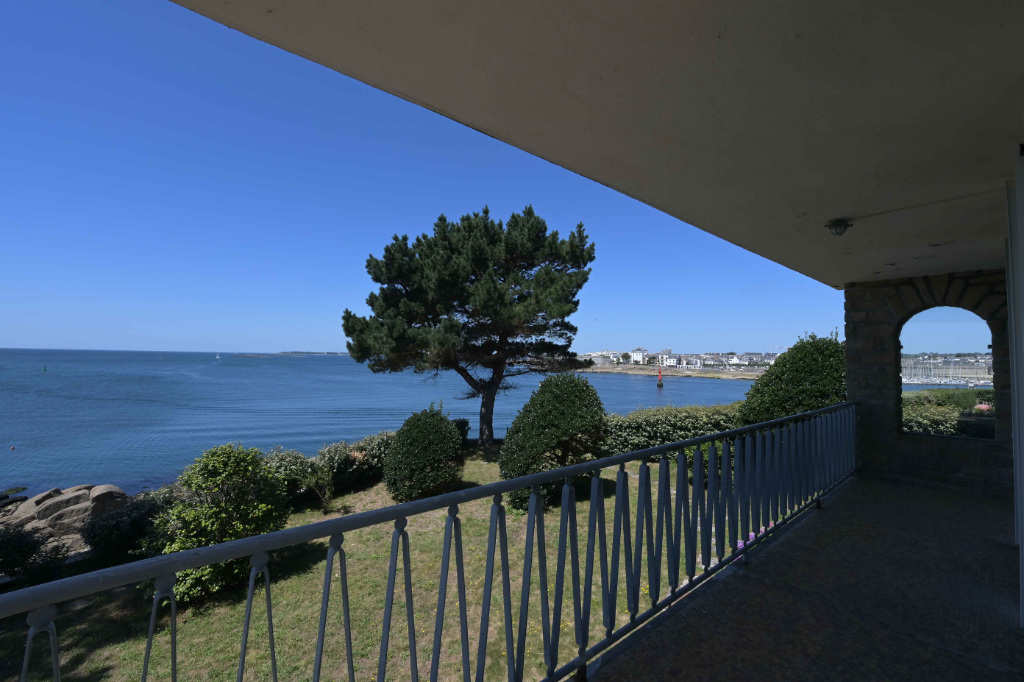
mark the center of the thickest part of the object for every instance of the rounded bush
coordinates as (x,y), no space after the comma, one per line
(563,423)
(228,494)
(808,376)
(425,458)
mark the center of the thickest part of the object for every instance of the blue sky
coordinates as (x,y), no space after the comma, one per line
(169,184)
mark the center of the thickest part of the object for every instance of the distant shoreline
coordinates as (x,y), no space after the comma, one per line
(287,353)
(649,370)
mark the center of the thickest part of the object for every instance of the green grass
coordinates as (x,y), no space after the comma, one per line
(103,636)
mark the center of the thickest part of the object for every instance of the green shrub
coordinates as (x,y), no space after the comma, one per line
(292,468)
(375,449)
(932,411)
(117,536)
(808,376)
(562,423)
(425,458)
(338,459)
(653,426)
(939,420)
(462,425)
(320,479)
(159,535)
(27,559)
(963,398)
(228,494)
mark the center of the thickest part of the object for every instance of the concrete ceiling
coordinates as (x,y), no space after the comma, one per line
(755,121)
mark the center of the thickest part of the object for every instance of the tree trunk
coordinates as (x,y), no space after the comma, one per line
(487,415)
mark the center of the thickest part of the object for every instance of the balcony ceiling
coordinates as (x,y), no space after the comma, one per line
(755,121)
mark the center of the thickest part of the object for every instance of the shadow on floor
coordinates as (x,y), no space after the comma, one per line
(886,582)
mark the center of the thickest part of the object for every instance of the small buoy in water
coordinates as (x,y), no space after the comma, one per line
(44,368)
(12,447)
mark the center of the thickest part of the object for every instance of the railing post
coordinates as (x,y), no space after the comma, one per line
(334,549)
(714,507)
(452,531)
(258,562)
(596,541)
(41,620)
(688,510)
(496,536)
(732,456)
(164,587)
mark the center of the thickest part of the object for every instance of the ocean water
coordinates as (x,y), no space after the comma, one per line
(136,419)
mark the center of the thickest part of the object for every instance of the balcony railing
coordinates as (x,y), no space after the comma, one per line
(746,483)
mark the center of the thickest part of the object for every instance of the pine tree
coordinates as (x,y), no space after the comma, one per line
(487,300)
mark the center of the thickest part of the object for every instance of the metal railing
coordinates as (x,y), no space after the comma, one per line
(751,481)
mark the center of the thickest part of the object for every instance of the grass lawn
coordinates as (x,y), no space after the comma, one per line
(104,636)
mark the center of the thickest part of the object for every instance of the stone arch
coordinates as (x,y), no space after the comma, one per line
(875,315)
(992,324)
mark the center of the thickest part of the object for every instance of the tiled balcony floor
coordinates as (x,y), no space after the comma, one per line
(886,582)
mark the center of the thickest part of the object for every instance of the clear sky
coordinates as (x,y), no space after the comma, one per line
(169,184)
(946,330)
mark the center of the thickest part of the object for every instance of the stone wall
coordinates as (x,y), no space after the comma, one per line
(875,315)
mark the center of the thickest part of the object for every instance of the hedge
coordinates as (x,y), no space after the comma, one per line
(654,426)
(949,412)
(939,420)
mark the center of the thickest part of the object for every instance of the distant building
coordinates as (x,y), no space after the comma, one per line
(638,356)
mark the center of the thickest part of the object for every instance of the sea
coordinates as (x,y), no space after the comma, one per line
(136,419)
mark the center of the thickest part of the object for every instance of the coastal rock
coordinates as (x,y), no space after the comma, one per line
(30,505)
(12,500)
(18,521)
(107,497)
(58,515)
(40,528)
(71,519)
(54,505)
(74,543)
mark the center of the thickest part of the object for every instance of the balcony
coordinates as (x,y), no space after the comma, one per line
(540,594)
(887,581)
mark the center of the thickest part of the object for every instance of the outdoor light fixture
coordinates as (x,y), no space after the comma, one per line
(838,226)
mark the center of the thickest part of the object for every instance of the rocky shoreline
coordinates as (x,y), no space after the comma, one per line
(59,515)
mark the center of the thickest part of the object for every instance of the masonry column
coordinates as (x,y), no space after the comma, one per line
(1015,291)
